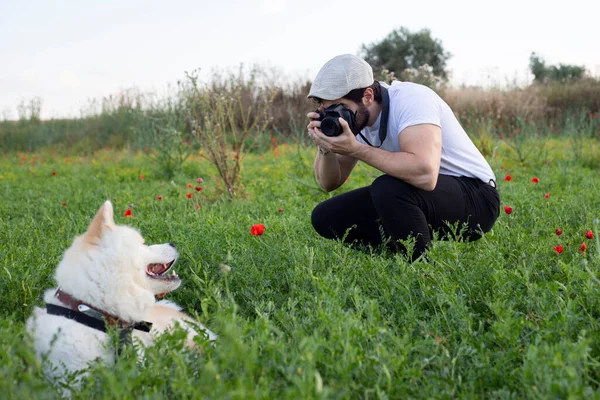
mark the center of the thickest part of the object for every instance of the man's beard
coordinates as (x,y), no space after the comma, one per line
(361,118)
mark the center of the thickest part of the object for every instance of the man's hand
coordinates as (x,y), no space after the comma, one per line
(331,170)
(345,143)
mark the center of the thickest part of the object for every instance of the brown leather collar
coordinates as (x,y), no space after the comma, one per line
(75,305)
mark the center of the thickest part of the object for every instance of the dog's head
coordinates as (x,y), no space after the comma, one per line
(111,268)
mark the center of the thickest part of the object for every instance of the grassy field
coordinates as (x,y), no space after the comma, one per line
(300,317)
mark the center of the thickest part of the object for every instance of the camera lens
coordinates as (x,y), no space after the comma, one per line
(330,127)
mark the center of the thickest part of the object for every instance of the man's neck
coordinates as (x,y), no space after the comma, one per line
(374,111)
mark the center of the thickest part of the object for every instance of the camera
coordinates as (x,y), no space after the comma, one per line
(330,125)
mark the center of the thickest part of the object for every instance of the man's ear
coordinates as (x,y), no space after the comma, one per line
(103,220)
(368,97)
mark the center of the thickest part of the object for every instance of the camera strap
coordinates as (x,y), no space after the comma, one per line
(385,111)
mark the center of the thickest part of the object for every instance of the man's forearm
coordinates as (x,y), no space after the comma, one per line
(327,171)
(402,165)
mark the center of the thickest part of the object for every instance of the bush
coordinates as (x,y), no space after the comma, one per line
(225,119)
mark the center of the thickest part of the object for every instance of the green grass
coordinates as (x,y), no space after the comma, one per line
(303,317)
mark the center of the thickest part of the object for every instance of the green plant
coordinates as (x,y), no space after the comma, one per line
(222,123)
(524,143)
(167,143)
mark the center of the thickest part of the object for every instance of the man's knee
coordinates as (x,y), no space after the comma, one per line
(386,190)
(321,221)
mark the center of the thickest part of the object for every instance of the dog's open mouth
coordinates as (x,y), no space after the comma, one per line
(159,271)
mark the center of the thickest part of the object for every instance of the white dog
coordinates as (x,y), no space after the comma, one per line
(107,277)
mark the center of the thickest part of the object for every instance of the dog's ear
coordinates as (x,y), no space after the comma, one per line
(104,219)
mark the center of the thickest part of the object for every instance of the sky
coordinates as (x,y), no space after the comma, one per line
(68,53)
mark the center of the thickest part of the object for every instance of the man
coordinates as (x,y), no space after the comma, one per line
(434,177)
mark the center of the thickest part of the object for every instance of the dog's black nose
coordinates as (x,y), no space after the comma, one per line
(171,244)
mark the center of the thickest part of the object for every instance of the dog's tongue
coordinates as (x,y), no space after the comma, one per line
(161,295)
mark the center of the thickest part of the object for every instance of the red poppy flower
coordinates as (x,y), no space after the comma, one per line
(535,179)
(197,206)
(158,197)
(128,213)
(64,204)
(189,185)
(199,188)
(547,195)
(508,178)
(558,232)
(583,247)
(559,249)
(146,149)
(589,234)
(53,173)
(142,177)
(508,210)
(257,229)
(189,195)
(280,210)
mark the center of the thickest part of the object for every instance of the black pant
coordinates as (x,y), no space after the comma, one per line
(397,210)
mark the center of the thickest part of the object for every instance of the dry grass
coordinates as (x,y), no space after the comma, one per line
(496,104)
(114,121)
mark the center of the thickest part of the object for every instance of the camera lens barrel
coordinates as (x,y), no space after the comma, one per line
(331,126)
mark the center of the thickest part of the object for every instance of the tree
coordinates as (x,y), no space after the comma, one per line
(561,74)
(402,50)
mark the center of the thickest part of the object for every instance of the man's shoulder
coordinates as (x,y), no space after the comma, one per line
(406,97)
(400,88)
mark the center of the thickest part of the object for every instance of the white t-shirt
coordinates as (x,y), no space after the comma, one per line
(413,104)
